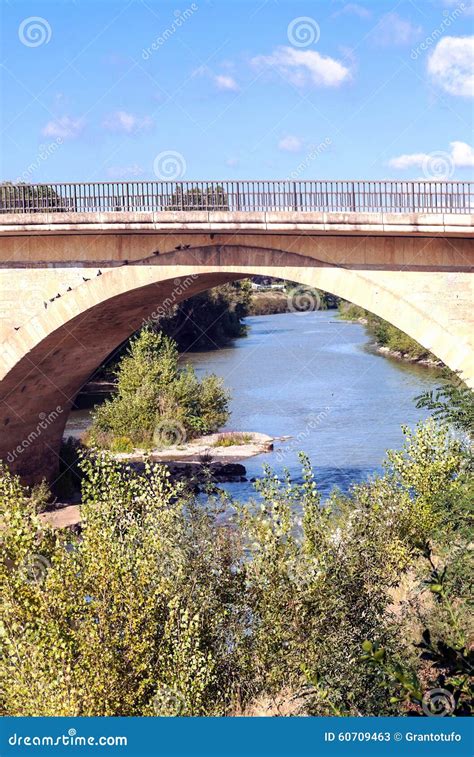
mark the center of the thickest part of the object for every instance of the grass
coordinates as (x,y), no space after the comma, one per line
(231,439)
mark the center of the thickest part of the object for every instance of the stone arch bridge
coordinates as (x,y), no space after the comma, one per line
(75,284)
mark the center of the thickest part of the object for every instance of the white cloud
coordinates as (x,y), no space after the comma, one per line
(125,172)
(409,160)
(64,127)
(223,82)
(468,5)
(451,65)
(461,155)
(290,144)
(303,67)
(353,9)
(227,83)
(392,30)
(127,123)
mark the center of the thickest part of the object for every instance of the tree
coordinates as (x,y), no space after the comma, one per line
(157,403)
(32,198)
(452,402)
(195,198)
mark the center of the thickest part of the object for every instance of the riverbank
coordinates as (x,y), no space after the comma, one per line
(269,303)
(429,362)
(276,301)
(202,462)
(219,448)
(387,340)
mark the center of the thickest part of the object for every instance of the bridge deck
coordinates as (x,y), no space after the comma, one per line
(232,222)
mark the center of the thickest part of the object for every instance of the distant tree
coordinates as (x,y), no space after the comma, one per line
(194,198)
(19,196)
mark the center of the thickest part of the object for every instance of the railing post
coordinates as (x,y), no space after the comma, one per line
(353,200)
(295,198)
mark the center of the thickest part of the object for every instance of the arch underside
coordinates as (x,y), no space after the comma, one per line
(45,364)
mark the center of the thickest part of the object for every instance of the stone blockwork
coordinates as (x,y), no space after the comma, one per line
(71,292)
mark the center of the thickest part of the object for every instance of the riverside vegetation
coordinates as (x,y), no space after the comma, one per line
(385,335)
(162,607)
(157,403)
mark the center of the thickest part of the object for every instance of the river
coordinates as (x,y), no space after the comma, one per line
(312,377)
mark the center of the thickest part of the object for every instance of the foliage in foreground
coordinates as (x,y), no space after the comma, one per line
(161,606)
(451,403)
(158,403)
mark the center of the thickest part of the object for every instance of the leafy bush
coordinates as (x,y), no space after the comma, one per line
(452,402)
(162,606)
(157,403)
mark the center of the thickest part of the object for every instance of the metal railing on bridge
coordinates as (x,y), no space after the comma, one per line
(305,196)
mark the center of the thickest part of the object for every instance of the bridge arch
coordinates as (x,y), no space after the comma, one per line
(44,364)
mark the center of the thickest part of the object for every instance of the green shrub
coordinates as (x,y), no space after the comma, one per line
(157,403)
(384,333)
(161,607)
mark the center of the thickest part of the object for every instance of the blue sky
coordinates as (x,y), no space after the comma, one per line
(237,89)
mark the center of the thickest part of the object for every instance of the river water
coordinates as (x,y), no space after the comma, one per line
(313,378)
